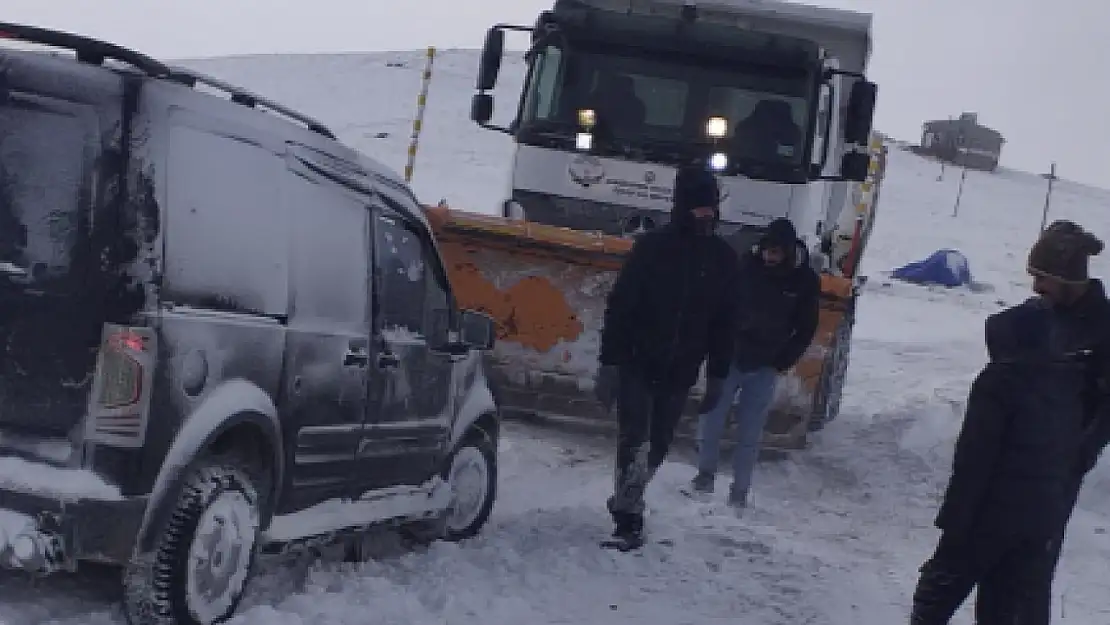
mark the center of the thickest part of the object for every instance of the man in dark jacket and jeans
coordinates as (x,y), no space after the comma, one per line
(1059,263)
(670,309)
(777,313)
(1010,474)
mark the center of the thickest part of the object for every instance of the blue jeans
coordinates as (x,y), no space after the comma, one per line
(756,392)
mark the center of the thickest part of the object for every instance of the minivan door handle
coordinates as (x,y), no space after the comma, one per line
(388,360)
(356,355)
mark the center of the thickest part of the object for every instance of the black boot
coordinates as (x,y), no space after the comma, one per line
(625,540)
(628,531)
(938,595)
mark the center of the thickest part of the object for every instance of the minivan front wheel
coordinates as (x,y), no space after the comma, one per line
(205,556)
(472,474)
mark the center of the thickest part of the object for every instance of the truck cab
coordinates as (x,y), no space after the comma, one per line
(619,93)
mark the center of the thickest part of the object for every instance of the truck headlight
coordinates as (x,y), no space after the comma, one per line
(716,128)
(583,141)
(718,161)
(587,119)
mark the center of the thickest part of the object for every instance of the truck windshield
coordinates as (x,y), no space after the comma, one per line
(645,101)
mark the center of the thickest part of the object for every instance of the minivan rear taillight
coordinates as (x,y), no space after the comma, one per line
(119,403)
(123,380)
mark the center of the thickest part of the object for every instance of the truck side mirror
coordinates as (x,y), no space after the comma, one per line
(861,112)
(490,65)
(481,108)
(477,330)
(855,166)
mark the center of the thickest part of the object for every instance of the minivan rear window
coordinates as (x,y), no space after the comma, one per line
(43,147)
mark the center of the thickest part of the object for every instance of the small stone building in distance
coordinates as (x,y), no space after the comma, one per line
(963,142)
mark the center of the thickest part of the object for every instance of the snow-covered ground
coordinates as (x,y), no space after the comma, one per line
(836,533)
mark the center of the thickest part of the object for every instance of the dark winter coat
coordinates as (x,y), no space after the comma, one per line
(1020,435)
(777,311)
(1085,326)
(672,307)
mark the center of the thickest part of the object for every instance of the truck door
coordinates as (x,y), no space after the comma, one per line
(407,429)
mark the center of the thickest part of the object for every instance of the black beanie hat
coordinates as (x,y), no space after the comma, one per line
(779,233)
(1062,252)
(695,187)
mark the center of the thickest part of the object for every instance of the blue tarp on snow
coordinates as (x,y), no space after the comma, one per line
(944,267)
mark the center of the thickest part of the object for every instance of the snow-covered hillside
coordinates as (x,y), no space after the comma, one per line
(837,532)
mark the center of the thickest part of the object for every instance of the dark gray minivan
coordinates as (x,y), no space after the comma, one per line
(221,329)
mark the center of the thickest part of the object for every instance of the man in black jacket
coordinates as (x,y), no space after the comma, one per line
(671,308)
(1058,262)
(1010,475)
(777,312)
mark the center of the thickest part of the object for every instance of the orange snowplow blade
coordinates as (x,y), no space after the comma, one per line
(546,287)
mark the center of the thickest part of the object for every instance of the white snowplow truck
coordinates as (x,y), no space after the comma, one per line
(619,94)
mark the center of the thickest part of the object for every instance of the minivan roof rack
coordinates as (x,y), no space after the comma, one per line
(95,52)
(246,98)
(88,50)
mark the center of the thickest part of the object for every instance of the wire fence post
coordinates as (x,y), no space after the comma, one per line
(418,121)
(1051,175)
(959,193)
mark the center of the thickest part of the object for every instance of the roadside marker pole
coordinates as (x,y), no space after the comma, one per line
(418,121)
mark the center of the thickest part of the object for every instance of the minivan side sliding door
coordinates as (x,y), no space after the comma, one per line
(327,354)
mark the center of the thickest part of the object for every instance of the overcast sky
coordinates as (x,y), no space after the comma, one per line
(1018,63)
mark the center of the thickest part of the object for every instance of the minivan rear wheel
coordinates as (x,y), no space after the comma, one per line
(200,567)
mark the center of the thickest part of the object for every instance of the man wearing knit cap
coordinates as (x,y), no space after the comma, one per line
(1003,508)
(1059,263)
(777,314)
(670,310)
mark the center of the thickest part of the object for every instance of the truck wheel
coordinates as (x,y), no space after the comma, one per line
(826,406)
(472,473)
(202,562)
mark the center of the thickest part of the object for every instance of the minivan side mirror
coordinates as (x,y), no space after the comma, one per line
(477,330)
(490,64)
(861,112)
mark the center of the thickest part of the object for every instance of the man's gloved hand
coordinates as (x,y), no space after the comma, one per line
(714,388)
(606,385)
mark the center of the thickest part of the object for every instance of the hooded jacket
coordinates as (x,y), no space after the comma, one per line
(671,307)
(1020,436)
(777,308)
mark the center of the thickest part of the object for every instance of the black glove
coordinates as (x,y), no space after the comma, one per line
(714,388)
(606,385)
